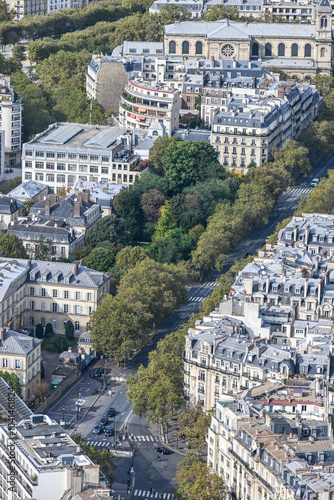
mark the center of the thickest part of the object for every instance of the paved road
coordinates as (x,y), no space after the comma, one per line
(147,470)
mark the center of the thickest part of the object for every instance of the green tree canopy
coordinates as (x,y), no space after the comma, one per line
(12,246)
(110,228)
(186,162)
(128,258)
(150,203)
(147,294)
(100,259)
(193,424)
(69,330)
(196,480)
(166,221)
(156,391)
(174,246)
(218,12)
(103,458)
(13,381)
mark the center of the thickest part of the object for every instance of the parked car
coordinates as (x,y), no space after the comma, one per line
(97,429)
(96,373)
(109,431)
(162,450)
(111,412)
(103,421)
(315,182)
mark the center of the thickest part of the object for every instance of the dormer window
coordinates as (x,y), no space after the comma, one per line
(297,289)
(288,236)
(322,239)
(287,289)
(275,287)
(314,237)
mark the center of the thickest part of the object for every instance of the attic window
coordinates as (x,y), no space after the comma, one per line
(288,236)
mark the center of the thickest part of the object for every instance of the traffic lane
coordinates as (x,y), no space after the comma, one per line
(85,387)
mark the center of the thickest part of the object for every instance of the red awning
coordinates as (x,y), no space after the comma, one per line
(141,117)
(132,115)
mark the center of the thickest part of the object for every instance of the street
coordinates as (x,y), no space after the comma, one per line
(148,472)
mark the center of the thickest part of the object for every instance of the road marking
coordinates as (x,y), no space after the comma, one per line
(151,438)
(136,491)
(147,438)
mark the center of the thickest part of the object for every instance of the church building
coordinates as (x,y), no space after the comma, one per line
(301,50)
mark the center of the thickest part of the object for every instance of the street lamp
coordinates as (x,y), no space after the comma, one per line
(64,411)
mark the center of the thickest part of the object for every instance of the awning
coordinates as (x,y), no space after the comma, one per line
(132,115)
(142,110)
(141,117)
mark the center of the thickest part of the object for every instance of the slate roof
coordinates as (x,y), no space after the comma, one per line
(85,277)
(27,190)
(9,205)
(215,30)
(18,343)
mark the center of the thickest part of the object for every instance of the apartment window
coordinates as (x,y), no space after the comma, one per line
(77,295)
(253,152)
(50,166)
(18,364)
(71,180)
(54,324)
(61,166)
(54,307)
(43,321)
(31,290)
(66,294)
(77,309)
(50,154)
(72,156)
(63,250)
(42,306)
(94,157)
(31,321)
(32,305)
(50,178)
(28,176)
(66,308)
(54,293)
(61,156)
(43,292)
(202,375)
(77,326)
(105,159)
(5,363)
(39,164)
(82,168)
(28,152)
(83,157)
(72,167)
(104,170)
(61,179)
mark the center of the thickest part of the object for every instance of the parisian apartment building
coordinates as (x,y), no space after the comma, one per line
(44,292)
(263,360)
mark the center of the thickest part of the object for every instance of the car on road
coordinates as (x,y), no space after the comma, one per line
(162,450)
(97,429)
(96,373)
(109,431)
(104,421)
(111,412)
(315,182)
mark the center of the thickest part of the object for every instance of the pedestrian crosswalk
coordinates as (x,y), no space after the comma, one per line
(301,190)
(156,494)
(104,444)
(196,299)
(212,283)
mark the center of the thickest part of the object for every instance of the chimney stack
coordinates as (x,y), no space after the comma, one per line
(86,195)
(3,334)
(75,270)
(47,206)
(77,205)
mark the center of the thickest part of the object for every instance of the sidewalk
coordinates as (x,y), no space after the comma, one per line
(175,443)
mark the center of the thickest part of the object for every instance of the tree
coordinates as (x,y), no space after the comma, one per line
(12,246)
(27,206)
(319,137)
(156,391)
(13,381)
(111,229)
(40,391)
(150,203)
(69,330)
(292,157)
(103,458)
(147,294)
(158,150)
(39,331)
(166,221)
(128,258)
(48,330)
(196,480)
(43,249)
(100,259)
(193,426)
(321,200)
(218,12)
(10,184)
(5,14)
(19,53)
(186,162)
(171,248)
